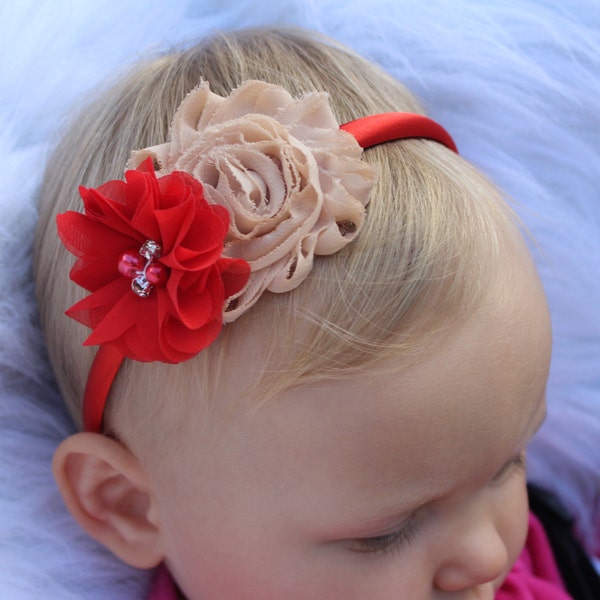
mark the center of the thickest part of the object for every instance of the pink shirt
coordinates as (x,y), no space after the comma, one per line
(534,576)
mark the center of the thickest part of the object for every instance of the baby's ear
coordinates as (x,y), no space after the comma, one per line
(107,492)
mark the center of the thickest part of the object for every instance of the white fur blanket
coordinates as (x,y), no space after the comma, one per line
(516,82)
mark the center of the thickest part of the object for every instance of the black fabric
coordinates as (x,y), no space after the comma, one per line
(581,579)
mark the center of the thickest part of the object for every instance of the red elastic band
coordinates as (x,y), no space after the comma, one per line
(368,131)
(102,374)
(387,127)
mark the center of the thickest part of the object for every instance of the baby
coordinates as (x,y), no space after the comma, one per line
(313,371)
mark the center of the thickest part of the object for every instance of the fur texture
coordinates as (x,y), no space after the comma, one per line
(516,82)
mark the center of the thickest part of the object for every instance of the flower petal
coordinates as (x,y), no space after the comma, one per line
(93,309)
(97,246)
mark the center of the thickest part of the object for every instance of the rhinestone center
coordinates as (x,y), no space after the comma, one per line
(142,268)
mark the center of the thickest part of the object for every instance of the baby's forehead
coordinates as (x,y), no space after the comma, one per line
(387,434)
(462,375)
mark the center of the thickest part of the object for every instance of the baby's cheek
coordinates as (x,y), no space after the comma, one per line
(515,523)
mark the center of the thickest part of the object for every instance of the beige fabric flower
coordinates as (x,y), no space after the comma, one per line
(293,182)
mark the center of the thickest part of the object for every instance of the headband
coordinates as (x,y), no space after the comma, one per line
(246,192)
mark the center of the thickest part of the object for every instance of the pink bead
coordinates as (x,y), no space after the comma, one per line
(156,273)
(130,263)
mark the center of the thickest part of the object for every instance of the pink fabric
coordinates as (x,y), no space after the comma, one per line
(163,587)
(534,576)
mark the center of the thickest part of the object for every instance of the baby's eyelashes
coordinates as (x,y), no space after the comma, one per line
(516,465)
(388,542)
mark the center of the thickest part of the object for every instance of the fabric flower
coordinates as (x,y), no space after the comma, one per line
(151,252)
(293,183)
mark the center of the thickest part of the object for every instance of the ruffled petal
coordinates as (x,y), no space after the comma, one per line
(93,309)
(97,246)
(185,343)
(192,298)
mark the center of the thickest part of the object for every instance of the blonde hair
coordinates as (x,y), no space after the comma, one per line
(430,240)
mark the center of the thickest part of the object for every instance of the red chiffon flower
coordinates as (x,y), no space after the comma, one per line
(160,233)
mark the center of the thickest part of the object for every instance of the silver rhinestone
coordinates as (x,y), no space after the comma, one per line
(141,286)
(150,250)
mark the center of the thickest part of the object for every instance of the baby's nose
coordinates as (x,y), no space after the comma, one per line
(478,557)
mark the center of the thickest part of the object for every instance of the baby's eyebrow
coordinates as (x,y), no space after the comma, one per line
(396,513)
(542,418)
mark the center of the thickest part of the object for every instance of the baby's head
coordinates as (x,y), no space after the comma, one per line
(358,436)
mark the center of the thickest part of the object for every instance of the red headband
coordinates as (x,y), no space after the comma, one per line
(387,127)
(368,131)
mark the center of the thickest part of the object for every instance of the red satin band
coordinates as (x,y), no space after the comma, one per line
(104,369)
(387,127)
(368,131)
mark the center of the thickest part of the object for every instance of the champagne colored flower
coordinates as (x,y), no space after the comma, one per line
(293,183)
